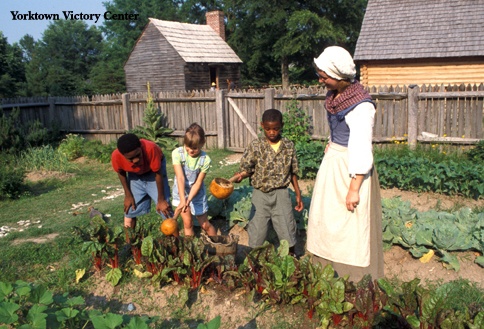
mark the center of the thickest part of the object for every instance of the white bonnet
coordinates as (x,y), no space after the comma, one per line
(337,63)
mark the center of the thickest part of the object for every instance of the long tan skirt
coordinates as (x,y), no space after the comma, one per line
(350,241)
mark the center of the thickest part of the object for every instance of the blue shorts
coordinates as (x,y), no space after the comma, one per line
(143,187)
(199,204)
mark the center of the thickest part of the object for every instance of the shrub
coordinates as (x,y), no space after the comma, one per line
(476,153)
(154,129)
(11,177)
(297,124)
(95,149)
(72,146)
(10,132)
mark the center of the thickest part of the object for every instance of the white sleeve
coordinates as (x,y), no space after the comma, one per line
(360,151)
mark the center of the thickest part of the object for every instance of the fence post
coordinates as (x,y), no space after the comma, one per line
(412,115)
(126,111)
(52,115)
(220,114)
(269,98)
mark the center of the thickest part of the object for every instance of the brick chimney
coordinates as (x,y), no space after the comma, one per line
(215,19)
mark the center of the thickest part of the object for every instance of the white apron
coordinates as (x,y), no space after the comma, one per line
(333,232)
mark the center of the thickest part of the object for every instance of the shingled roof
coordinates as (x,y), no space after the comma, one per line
(410,29)
(196,43)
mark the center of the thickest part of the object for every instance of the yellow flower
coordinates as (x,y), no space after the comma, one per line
(433,145)
(463,136)
(405,135)
(445,135)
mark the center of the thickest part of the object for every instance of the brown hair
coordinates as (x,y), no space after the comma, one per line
(194,136)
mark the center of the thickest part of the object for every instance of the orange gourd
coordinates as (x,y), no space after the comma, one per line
(221,188)
(169,227)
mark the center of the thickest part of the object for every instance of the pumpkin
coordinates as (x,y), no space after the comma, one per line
(169,227)
(221,188)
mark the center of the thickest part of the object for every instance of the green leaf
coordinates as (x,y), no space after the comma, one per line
(108,321)
(5,289)
(480,261)
(212,324)
(451,260)
(66,314)
(147,246)
(136,323)
(7,312)
(41,295)
(114,275)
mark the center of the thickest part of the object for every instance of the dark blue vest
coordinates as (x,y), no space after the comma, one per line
(340,132)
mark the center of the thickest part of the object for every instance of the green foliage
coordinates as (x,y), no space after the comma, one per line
(154,128)
(476,153)
(297,124)
(62,61)
(309,157)
(297,128)
(45,158)
(11,177)
(12,75)
(420,232)
(10,131)
(16,136)
(28,305)
(96,150)
(72,146)
(427,171)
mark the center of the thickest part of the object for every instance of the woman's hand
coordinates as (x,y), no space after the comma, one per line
(352,200)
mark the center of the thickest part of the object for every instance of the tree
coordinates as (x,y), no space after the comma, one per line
(269,38)
(12,69)
(62,60)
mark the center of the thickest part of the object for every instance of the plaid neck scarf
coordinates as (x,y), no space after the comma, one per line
(354,94)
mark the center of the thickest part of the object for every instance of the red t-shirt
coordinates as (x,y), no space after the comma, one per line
(151,156)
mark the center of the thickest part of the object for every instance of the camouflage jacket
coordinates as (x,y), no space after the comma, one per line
(270,170)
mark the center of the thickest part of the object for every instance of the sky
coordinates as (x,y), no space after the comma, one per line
(14,30)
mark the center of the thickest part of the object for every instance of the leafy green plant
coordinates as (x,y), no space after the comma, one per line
(11,177)
(154,128)
(10,131)
(72,146)
(45,158)
(309,156)
(423,172)
(476,153)
(96,150)
(297,124)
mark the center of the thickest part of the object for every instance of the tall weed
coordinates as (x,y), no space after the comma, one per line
(45,158)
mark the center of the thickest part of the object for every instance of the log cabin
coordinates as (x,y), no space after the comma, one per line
(181,56)
(421,42)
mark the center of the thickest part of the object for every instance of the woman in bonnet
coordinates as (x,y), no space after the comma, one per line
(344,227)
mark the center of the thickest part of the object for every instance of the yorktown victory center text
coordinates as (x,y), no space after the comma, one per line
(70,15)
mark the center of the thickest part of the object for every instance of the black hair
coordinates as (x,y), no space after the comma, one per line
(272,115)
(128,143)
(194,136)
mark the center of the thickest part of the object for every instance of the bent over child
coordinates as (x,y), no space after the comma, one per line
(271,164)
(191,165)
(141,169)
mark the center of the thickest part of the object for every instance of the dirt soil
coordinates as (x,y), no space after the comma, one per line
(234,307)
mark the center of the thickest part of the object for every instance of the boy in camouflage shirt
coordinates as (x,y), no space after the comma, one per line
(271,164)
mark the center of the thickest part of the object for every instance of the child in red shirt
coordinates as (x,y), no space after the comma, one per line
(141,168)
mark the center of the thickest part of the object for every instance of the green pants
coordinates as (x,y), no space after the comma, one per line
(275,205)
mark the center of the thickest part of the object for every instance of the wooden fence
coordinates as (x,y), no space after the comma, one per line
(437,114)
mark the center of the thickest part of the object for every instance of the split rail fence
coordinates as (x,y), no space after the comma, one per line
(416,114)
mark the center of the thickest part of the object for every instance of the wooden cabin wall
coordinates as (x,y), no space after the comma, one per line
(155,61)
(382,74)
